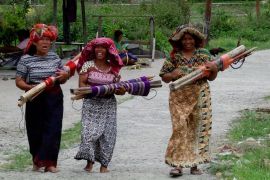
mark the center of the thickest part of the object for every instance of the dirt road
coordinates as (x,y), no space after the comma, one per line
(143,125)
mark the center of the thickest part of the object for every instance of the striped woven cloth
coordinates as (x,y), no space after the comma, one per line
(140,86)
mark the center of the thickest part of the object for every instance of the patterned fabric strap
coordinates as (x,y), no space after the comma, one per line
(140,86)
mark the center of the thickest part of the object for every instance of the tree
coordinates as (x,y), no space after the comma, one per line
(257,8)
(207,18)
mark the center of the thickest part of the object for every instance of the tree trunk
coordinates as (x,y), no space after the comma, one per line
(207,18)
(258,8)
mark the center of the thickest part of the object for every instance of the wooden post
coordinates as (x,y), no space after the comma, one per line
(83,22)
(152,37)
(54,20)
(54,12)
(208,7)
(257,9)
(99,26)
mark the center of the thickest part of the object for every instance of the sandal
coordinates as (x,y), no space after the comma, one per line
(195,171)
(176,172)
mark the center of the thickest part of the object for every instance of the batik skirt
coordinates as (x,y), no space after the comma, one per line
(191,114)
(98,129)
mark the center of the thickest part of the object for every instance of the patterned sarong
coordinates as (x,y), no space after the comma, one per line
(98,129)
(191,119)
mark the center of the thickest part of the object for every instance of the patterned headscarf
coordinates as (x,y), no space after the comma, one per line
(178,34)
(88,53)
(39,31)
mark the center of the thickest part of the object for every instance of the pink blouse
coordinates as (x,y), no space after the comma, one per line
(97,76)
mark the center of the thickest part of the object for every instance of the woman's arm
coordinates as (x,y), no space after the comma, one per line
(83,80)
(175,74)
(20,83)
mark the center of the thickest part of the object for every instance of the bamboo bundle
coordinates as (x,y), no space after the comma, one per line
(70,67)
(222,63)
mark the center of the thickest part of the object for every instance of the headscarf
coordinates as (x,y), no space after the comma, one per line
(39,31)
(178,34)
(88,53)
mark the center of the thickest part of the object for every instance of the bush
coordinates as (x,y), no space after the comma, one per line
(13,22)
(162,42)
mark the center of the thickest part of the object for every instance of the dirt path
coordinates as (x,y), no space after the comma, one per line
(143,125)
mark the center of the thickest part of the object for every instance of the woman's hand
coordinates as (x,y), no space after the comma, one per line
(212,67)
(120,91)
(62,76)
(176,74)
(150,78)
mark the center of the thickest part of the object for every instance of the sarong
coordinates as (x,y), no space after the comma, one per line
(99,129)
(191,114)
(44,125)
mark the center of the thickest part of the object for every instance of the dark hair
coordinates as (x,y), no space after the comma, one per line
(32,50)
(117,34)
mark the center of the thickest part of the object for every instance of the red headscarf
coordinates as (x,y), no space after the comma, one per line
(88,53)
(39,31)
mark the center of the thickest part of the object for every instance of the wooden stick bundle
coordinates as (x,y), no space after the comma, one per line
(222,63)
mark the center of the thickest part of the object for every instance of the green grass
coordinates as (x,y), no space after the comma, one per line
(251,165)
(267,97)
(254,168)
(251,124)
(229,43)
(71,136)
(18,161)
(22,159)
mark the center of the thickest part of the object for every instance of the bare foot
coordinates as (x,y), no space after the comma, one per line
(89,167)
(35,168)
(51,169)
(104,169)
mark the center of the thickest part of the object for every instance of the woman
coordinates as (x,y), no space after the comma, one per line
(43,114)
(127,58)
(190,107)
(99,64)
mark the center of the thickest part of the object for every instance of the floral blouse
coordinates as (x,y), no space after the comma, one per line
(96,76)
(200,56)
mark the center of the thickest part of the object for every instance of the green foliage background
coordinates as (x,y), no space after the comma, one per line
(228,23)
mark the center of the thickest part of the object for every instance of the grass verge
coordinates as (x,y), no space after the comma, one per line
(22,159)
(250,135)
